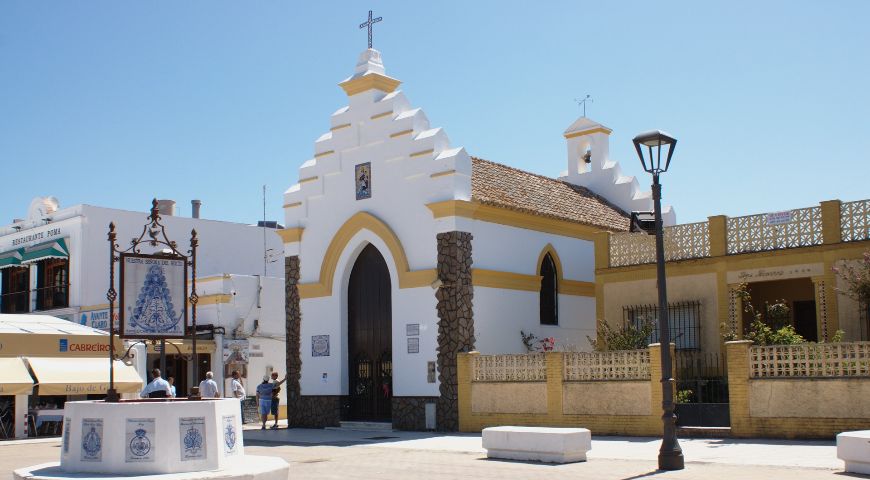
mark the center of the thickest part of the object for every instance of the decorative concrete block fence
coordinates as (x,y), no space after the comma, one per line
(798,391)
(610,393)
(787,391)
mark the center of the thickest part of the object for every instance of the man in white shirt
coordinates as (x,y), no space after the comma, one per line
(238,392)
(158,388)
(208,388)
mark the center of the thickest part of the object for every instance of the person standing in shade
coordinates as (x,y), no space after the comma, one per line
(264,400)
(208,388)
(238,392)
(158,388)
(171,381)
(276,398)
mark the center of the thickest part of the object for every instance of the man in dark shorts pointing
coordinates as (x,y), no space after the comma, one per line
(276,392)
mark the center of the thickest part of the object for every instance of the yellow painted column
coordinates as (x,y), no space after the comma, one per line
(738,387)
(555,369)
(602,250)
(464,376)
(718,230)
(831,232)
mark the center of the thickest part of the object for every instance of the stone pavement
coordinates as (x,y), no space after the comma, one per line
(340,454)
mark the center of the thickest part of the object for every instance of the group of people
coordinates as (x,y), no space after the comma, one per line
(268,392)
(268,396)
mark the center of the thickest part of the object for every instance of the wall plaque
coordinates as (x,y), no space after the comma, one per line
(320,345)
(363,174)
(231,436)
(191,431)
(140,440)
(66,428)
(92,440)
(430,372)
(414,345)
(412,329)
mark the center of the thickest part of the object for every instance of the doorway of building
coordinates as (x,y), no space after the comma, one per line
(805,319)
(369,338)
(176,367)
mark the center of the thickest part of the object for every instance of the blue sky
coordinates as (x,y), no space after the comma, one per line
(114,102)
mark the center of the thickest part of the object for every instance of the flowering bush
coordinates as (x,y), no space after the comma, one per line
(535,344)
(857,279)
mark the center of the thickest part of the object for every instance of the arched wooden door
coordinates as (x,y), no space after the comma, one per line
(369,342)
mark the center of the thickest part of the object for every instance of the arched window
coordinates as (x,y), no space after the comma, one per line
(549,298)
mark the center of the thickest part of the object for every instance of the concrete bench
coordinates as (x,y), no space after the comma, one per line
(544,444)
(854,449)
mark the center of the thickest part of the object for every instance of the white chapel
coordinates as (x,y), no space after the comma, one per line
(402,250)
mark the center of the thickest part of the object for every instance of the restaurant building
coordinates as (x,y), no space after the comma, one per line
(55,262)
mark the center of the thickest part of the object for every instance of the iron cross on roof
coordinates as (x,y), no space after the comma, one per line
(369,24)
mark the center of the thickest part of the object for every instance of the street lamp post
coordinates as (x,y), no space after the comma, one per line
(670,453)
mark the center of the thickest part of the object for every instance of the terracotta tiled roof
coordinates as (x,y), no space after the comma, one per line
(499,185)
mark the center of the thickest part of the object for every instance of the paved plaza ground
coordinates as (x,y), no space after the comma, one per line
(340,454)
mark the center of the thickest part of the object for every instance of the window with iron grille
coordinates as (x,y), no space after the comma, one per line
(684,319)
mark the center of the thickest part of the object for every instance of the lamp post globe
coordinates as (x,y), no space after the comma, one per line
(652,147)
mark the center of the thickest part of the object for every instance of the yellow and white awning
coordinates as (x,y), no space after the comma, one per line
(14,377)
(82,376)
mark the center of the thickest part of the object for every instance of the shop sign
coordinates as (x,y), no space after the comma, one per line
(779,218)
(98,319)
(776,273)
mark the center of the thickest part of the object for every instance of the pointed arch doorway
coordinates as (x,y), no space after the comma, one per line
(369,338)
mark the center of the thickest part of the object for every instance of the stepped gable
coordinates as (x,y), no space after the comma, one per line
(503,186)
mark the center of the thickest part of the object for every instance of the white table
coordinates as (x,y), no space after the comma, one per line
(43,415)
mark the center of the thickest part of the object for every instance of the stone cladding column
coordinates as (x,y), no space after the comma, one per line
(293,323)
(310,411)
(455,321)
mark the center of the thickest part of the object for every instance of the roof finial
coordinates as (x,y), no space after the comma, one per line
(369,24)
(583,101)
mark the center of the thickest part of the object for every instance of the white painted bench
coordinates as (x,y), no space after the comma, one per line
(854,449)
(544,444)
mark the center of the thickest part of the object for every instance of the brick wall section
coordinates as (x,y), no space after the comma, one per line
(638,425)
(455,320)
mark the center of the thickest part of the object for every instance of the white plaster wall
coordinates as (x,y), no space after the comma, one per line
(401,185)
(328,316)
(511,249)
(255,311)
(223,246)
(500,315)
(165,440)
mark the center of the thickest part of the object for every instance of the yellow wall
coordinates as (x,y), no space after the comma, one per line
(707,280)
(789,408)
(700,287)
(605,407)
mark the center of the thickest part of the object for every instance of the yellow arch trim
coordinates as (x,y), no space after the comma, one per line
(565,287)
(365,221)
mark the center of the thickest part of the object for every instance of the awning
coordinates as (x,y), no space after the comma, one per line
(53,249)
(14,378)
(11,259)
(82,376)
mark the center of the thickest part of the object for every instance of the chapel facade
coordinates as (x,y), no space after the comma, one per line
(402,250)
